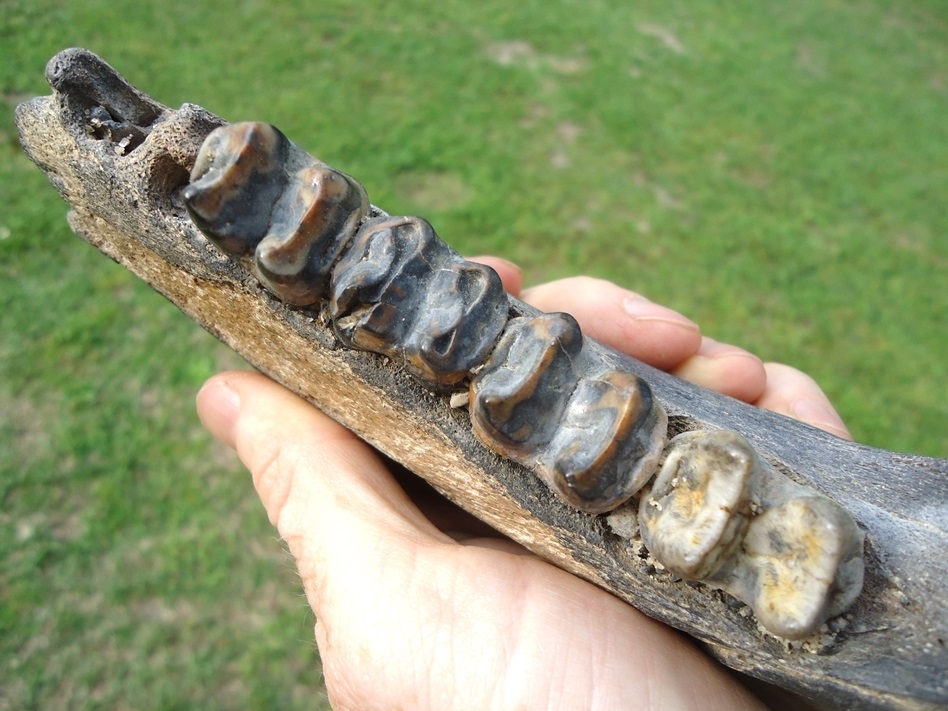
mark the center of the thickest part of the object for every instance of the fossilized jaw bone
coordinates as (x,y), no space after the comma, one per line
(718,513)
(538,395)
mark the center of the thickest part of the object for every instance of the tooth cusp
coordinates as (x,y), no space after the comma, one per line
(698,506)
(401,291)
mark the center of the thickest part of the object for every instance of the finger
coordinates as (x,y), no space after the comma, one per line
(795,394)
(725,368)
(621,319)
(510,274)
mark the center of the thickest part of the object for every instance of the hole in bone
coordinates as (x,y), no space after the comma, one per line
(124,136)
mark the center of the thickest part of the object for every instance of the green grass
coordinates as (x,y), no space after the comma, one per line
(777,171)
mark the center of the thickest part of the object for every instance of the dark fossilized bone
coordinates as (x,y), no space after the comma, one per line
(122,161)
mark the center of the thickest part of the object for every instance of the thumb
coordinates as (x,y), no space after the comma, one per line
(320,484)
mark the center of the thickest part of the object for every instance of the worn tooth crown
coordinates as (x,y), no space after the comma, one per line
(718,513)
(591,433)
(698,502)
(237,180)
(311,225)
(382,300)
(538,394)
(519,396)
(608,442)
(802,552)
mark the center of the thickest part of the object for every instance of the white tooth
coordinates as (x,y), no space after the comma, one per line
(719,514)
(694,515)
(807,556)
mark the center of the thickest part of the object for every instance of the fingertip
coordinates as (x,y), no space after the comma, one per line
(819,414)
(726,369)
(795,394)
(218,407)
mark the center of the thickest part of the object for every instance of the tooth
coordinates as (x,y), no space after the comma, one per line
(518,399)
(401,291)
(719,514)
(698,507)
(237,179)
(311,225)
(608,442)
(592,434)
(806,554)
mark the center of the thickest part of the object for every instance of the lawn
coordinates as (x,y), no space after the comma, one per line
(776,171)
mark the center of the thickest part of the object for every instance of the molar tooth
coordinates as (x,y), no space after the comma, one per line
(237,179)
(311,224)
(253,191)
(401,291)
(718,513)
(693,516)
(608,443)
(807,555)
(518,398)
(544,400)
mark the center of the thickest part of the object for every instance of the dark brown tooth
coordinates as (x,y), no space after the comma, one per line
(310,226)
(518,398)
(594,435)
(237,180)
(608,443)
(402,292)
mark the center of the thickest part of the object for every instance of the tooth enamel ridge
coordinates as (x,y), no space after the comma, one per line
(537,393)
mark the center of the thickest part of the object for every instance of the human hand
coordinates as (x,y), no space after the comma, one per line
(416,615)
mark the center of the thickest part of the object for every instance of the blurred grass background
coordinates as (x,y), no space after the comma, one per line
(776,171)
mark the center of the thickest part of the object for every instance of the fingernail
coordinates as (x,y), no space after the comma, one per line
(219,407)
(641,309)
(819,415)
